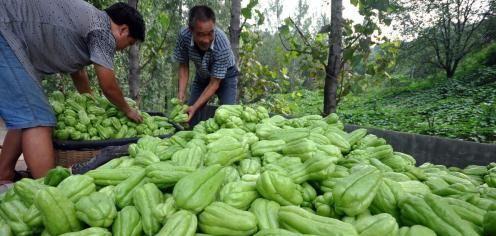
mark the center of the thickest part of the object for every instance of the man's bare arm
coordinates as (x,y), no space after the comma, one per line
(81,81)
(183,81)
(111,90)
(207,93)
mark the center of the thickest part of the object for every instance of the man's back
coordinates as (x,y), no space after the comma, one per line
(51,36)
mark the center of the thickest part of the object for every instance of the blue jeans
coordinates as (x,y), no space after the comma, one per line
(22,101)
(226,93)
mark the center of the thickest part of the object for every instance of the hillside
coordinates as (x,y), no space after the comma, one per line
(459,108)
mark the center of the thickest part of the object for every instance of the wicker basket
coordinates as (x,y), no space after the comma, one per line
(67,158)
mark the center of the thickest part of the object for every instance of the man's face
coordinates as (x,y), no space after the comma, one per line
(125,42)
(203,34)
(122,37)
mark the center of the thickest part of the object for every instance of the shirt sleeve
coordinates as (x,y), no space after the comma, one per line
(221,63)
(181,50)
(101,45)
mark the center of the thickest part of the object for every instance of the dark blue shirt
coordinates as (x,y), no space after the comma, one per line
(215,62)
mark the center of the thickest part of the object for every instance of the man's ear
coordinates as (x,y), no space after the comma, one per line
(124,30)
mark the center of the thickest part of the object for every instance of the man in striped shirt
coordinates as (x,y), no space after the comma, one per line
(209,49)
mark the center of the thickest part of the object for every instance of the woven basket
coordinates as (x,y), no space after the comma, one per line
(67,158)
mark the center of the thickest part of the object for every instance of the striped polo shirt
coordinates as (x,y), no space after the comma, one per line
(216,62)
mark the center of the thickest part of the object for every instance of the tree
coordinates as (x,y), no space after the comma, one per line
(334,59)
(235,27)
(162,27)
(302,17)
(448,27)
(134,67)
(301,68)
(273,13)
(235,31)
(347,48)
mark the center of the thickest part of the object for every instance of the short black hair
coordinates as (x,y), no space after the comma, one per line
(200,12)
(123,14)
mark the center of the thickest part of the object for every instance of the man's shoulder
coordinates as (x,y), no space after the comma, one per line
(80,16)
(185,33)
(221,40)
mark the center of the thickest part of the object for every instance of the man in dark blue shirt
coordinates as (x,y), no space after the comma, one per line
(209,49)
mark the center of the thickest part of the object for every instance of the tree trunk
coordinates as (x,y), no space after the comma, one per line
(134,68)
(334,59)
(234,28)
(450,73)
(234,32)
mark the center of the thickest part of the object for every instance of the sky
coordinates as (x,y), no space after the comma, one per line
(317,7)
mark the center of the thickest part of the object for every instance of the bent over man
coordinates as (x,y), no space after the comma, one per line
(40,37)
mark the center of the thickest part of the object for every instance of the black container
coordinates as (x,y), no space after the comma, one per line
(98,144)
(106,154)
(437,150)
(424,148)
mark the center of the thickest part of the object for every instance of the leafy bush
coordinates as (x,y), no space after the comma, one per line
(449,108)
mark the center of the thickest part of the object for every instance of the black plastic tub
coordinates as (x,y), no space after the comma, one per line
(424,148)
(98,144)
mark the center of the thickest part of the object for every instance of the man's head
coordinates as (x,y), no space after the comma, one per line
(201,22)
(127,25)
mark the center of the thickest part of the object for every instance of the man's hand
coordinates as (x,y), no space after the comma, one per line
(181,96)
(209,91)
(191,112)
(111,90)
(134,116)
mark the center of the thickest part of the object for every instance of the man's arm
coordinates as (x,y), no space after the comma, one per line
(111,90)
(81,81)
(183,80)
(209,91)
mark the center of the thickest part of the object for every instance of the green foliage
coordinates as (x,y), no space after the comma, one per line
(472,64)
(463,109)
(434,23)
(361,62)
(297,103)
(257,79)
(451,109)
